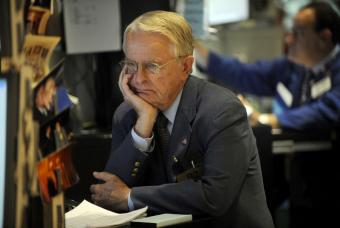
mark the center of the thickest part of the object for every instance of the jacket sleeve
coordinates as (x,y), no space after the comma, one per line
(229,154)
(321,113)
(125,161)
(259,78)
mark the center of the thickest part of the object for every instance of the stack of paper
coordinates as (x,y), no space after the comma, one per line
(161,220)
(87,214)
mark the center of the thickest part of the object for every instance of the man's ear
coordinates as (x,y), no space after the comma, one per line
(326,35)
(187,65)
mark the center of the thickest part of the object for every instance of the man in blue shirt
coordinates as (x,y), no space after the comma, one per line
(305,83)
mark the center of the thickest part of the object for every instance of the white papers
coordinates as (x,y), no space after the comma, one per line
(87,214)
(92,26)
(163,220)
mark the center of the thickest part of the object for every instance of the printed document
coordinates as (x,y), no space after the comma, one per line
(87,214)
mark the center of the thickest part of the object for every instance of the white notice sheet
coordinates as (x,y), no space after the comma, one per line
(92,26)
(87,214)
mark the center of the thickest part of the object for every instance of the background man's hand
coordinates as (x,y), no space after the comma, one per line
(112,194)
(256,117)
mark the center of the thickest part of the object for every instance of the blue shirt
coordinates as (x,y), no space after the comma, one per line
(262,78)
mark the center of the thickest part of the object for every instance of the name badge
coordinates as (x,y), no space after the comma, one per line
(321,87)
(285,94)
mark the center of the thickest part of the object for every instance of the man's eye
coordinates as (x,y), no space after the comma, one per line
(131,68)
(130,64)
(153,67)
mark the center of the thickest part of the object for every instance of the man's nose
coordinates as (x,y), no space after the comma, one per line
(140,75)
(289,38)
(288,42)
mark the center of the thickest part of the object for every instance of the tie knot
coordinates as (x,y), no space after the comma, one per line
(161,121)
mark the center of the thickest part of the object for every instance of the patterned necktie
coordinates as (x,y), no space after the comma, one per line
(305,89)
(162,131)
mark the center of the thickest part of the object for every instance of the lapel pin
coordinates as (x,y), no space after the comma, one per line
(184,141)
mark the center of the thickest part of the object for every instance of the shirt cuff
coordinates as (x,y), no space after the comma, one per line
(142,144)
(130,203)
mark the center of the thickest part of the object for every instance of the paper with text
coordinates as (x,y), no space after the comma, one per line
(92,26)
(87,214)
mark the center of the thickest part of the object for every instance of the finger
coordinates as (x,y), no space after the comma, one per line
(125,85)
(240,97)
(95,198)
(94,188)
(121,78)
(105,176)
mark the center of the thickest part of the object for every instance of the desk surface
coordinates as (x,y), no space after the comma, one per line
(287,142)
(278,141)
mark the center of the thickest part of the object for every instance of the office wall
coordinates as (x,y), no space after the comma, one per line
(251,44)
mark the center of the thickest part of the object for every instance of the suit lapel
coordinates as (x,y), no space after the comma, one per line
(182,129)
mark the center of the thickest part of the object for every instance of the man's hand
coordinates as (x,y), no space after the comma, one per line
(251,112)
(256,117)
(268,119)
(201,50)
(112,194)
(146,112)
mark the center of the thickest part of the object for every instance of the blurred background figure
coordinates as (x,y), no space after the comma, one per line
(305,82)
(305,86)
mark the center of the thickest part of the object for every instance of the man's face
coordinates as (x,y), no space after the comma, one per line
(304,43)
(149,49)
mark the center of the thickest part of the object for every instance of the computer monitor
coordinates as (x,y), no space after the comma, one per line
(8,128)
(227,11)
(3,127)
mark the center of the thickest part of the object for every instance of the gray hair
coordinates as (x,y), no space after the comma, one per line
(170,24)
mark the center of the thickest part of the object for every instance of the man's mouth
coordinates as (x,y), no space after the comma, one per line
(142,91)
(136,90)
(133,89)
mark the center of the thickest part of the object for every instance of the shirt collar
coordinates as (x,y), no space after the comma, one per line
(321,65)
(170,113)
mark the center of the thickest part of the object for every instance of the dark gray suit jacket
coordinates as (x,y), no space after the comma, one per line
(211,130)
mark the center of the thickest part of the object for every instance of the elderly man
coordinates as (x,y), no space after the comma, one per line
(179,144)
